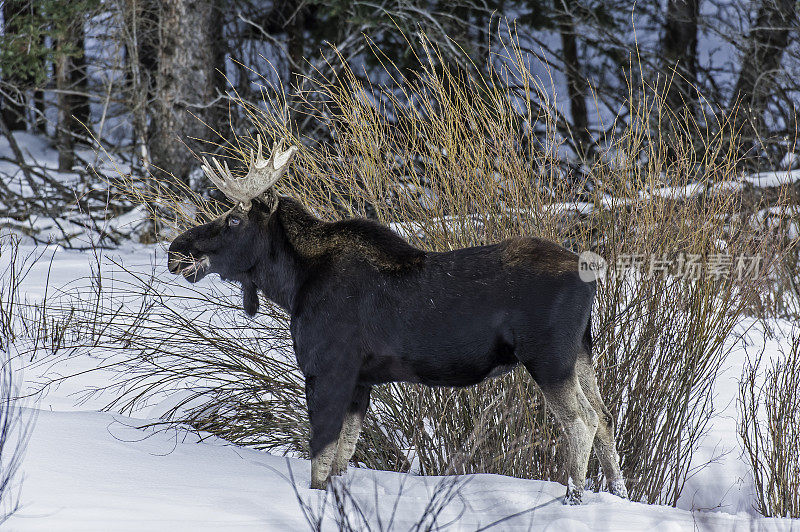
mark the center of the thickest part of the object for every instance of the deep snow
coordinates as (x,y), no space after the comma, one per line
(91,470)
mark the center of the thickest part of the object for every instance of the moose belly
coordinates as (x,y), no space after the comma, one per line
(443,335)
(438,365)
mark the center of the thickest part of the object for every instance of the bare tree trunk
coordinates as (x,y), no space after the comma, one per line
(39,102)
(679,55)
(295,36)
(64,139)
(186,82)
(79,79)
(760,62)
(72,87)
(577,86)
(39,105)
(139,32)
(13,109)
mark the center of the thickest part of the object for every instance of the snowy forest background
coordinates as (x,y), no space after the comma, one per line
(659,134)
(147,77)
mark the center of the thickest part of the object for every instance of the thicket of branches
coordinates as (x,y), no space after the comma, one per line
(147,77)
(16,423)
(769,427)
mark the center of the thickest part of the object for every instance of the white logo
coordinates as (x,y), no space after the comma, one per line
(591,267)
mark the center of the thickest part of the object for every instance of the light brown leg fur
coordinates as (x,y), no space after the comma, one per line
(604,444)
(579,420)
(351,429)
(321,467)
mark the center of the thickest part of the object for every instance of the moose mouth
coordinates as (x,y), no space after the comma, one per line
(192,269)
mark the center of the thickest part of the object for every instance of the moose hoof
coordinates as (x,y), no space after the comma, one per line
(317,484)
(617,487)
(574,495)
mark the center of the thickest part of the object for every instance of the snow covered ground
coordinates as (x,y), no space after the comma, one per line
(91,470)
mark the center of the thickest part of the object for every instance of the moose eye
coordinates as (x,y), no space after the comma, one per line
(234,221)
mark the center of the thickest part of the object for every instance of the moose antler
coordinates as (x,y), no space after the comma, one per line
(262,174)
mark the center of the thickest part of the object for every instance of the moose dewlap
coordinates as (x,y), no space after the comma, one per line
(368,308)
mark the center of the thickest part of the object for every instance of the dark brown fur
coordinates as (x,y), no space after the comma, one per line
(536,253)
(317,239)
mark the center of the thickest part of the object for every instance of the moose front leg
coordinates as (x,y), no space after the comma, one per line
(351,429)
(321,465)
(327,403)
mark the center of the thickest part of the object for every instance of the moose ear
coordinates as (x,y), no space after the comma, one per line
(250,298)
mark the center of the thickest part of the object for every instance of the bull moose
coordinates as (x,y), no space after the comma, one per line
(368,308)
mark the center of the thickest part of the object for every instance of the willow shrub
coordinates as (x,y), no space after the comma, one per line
(769,429)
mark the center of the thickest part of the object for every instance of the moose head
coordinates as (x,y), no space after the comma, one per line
(231,245)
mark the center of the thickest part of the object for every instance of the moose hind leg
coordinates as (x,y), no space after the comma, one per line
(579,420)
(351,428)
(604,444)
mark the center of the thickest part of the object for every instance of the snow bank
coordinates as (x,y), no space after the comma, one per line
(89,470)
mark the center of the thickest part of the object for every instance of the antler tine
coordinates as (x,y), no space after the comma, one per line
(211,173)
(206,168)
(222,173)
(273,157)
(257,162)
